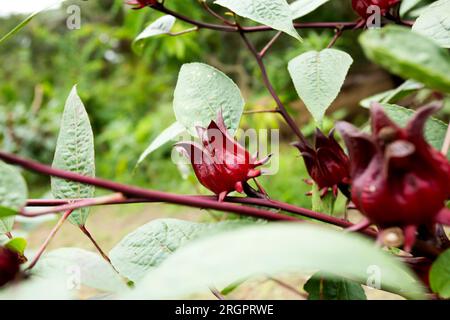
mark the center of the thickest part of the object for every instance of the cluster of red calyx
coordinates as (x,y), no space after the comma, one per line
(398,179)
(362,6)
(326,162)
(9,265)
(139,4)
(221,164)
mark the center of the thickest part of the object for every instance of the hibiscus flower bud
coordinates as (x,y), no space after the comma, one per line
(220,163)
(9,265)
(398,179)
(362,6)
(139,4)
(326,162)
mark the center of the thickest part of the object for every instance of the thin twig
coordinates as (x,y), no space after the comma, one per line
(269,44)
(174,34)
(261,111)
(96,245)
(338,32)
(216,15)
(288,287)
(271,89)
(216,293)
(49,238)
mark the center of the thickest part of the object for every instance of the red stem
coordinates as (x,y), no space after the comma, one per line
(135,192)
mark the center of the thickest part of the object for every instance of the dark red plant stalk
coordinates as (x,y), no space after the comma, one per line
(221,164)
(139,4)
(362,6)
(9,265)
(398,179)
(326,162)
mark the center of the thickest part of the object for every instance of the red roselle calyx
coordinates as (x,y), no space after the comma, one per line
(221,164)
(398,179)
(9,265)
(326,162)
(362,6)
(139,4)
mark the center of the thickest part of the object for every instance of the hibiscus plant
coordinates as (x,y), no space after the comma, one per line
(392,172)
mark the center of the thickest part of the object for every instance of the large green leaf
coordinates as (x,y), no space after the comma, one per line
(273,13)
(201,92)
(440,275)
(149,245)
(318,78)
(92,269)
(409,55)
(435,129)
(163,25)
(13,194)
(301,8)
(167,135)
(271,249)
(323,286)
(52,287)
(74,152)
(434,22)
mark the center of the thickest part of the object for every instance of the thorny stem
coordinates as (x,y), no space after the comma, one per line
(49,238)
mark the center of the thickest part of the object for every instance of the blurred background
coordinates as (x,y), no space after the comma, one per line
(128,97)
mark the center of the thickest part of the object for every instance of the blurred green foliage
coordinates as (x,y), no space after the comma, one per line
(128,96)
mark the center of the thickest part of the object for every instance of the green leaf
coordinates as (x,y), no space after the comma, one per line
(93,270)
(392,96)
(318,78)
(272,249)
(7,212)
(435,129)
(301,8)
(167,135)
(53,287)
(21,25)
(162,25)
(409,55)
(74,152)
(148,246)
(434,23)
(13,194)
(273,13)
(322,286)
(440,275)
(200,93)
(17,245)
(407,5)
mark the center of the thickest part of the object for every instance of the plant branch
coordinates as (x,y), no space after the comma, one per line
(216,15)
(338,32)
(99,249)
(136,192)
(271,90)
(49,238)
(261,111)
(269,44)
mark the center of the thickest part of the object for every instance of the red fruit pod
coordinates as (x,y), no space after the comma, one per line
(364,8)
(398,179)
(220,163)
(9,265)
(326,162)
